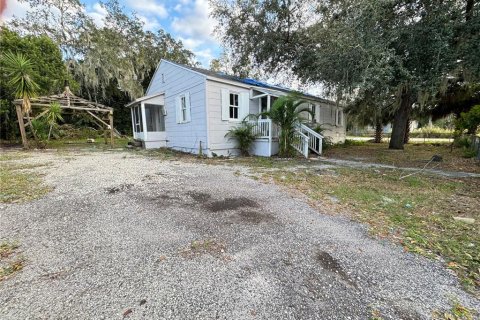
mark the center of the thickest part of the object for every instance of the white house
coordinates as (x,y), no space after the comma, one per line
(191,109)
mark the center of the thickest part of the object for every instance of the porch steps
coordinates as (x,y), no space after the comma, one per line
(307,139)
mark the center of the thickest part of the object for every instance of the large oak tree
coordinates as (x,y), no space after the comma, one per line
(406,49)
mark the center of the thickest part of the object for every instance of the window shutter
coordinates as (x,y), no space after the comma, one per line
(189,108)
(339,118)
(244,105)
(225,103)
(178,109)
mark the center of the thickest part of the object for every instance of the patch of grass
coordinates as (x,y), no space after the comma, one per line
(417,211)
(10,260)
(457,312)
(414,155)
(17,186)
(9,156)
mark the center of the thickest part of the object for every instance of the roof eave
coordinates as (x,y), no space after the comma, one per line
(141,99)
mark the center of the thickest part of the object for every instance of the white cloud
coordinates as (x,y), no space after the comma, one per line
(14,8)
(178,7)
(205,56)
(149,23)
(191,43)
(98,14)
(148,7)
(195,22)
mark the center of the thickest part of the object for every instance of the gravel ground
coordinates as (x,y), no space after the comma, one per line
(126,236)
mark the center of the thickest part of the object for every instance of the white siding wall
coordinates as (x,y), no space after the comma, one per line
(218,128)
(326,118)
(175,80)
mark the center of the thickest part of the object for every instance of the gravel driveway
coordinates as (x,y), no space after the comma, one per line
(127,236)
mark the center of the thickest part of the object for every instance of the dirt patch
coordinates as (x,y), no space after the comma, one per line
(120,188)
(404,313)
(197,248)
(200,197)
(163,199)
(254,217)
(231,204)
(329,263)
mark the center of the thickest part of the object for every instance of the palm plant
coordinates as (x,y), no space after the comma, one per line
(19,70)
(53,115)
(286,112)
(244,135)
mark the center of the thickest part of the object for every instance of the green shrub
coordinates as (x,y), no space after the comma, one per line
(40,127)
(68,131)
(463,142)
(244,136)
(469,121)
(469,153)
(349,142)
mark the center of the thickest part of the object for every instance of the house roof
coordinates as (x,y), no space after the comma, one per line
(144,98)
(248,81)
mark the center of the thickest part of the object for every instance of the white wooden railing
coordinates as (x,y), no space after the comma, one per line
(314,138)
(264,128)
(261,127)
(300,143)
(304,137)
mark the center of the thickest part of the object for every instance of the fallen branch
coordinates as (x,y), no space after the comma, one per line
(424,167)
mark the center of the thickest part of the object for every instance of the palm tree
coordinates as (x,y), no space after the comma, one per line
(53,115)
(371,109)
(286,113)
(19,69)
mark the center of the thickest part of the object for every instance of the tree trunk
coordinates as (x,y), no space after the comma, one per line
(50,132)
(407,131)
(378,132)
(400,121)
(469,9)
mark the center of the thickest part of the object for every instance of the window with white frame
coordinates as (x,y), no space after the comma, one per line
(313,109)
(183,108)
(233,106)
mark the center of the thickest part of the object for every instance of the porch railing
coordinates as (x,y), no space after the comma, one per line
(301,142)
(315,139)
(262,128)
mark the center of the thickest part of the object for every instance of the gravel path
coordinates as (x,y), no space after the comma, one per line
(126,236)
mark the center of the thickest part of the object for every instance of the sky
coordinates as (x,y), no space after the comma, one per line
(185,20)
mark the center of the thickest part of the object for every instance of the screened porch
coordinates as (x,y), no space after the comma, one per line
(148,120)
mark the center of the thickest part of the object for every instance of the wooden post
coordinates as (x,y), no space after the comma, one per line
(21,125)
(110,118)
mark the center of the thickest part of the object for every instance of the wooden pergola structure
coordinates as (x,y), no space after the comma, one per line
(102,115)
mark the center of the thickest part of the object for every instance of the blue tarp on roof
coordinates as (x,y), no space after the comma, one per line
(254,82)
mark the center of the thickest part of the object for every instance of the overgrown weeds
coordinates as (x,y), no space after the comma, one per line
(10,259)
(17,185)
